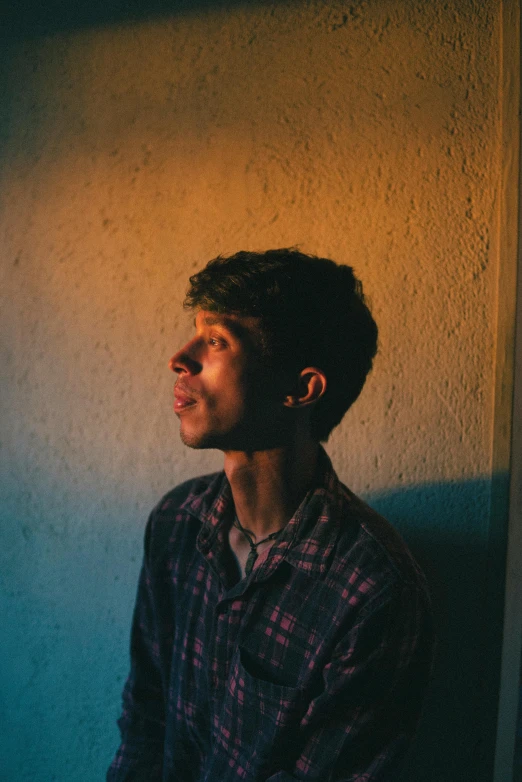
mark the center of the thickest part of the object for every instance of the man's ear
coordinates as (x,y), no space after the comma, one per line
(311,385)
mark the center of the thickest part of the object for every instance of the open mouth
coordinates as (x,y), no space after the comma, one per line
(182,401)
(183,404)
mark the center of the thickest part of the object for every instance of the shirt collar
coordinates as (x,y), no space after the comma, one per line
(307,540)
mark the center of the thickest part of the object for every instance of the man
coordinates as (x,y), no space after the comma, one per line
(282,630)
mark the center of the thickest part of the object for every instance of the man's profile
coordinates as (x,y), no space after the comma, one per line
(282,630)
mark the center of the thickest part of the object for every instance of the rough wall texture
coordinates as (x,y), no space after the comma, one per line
(367,132)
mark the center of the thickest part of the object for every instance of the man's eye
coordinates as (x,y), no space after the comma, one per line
(217,343)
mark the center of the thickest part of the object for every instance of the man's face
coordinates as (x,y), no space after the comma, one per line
(224,396)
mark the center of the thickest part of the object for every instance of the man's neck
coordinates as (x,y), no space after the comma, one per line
(268,486)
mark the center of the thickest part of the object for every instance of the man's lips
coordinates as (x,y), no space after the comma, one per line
(183,399)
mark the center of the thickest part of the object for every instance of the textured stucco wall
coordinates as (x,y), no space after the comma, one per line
(367,132)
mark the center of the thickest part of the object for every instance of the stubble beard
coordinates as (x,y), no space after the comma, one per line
(245,437)
(196,442)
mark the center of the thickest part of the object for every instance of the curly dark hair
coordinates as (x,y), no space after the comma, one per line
(313,313)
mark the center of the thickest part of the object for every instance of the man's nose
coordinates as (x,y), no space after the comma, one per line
(185,360)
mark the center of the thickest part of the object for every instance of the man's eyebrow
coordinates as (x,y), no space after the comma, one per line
(230,324)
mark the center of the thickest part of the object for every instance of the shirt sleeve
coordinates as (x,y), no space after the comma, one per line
(359,727)
(139,757)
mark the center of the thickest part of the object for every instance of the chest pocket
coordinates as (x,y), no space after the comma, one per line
(258,718)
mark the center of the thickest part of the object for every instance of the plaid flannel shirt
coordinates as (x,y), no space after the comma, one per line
(311,668)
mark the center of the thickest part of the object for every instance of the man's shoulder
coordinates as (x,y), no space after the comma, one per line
(181,507)
(187,494)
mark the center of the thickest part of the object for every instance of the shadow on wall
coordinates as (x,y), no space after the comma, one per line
(446,527)
(31,18)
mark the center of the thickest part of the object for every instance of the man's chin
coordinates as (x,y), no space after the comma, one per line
(190,441)
(221,441)
(233,440)
(197,440)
